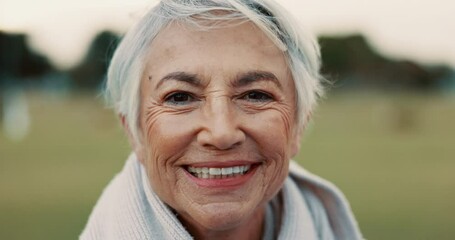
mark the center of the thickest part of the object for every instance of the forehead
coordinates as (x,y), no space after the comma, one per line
(234,35)
(228,49)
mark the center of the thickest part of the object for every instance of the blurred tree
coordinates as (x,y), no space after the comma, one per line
(19,65)
(353,63)
(349,60)
(17,62)
(91,72)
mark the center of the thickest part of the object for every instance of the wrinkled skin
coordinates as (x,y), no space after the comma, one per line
(205,111)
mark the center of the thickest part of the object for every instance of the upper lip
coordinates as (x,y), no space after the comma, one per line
(222,164)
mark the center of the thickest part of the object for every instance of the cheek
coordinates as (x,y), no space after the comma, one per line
(166,137)
(165,130)
(272,133)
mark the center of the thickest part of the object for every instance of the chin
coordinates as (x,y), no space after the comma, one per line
(223,216)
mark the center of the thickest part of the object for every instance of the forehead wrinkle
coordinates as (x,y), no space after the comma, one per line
(217,92)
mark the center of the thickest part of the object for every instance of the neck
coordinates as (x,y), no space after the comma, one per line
(250,229)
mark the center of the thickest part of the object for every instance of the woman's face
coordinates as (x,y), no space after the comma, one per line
(217,123)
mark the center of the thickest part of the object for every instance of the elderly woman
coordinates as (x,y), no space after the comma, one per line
(214,96)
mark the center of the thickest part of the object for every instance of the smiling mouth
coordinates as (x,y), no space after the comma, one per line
(219,173)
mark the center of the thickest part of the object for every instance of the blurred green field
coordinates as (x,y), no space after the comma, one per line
(392,155)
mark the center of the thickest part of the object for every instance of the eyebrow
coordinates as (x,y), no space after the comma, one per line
(242,80)
(189,78)
(250,77)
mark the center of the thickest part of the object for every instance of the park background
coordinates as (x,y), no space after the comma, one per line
(384,133)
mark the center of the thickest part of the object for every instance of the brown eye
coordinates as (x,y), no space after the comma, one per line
(179,98)
(257,96)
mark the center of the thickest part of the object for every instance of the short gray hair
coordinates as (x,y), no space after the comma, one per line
(128,63)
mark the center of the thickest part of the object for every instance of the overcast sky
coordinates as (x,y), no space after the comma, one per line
(421,30)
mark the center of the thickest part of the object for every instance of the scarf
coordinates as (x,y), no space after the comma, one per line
(311,208)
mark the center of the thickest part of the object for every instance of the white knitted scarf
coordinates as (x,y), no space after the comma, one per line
(312,208)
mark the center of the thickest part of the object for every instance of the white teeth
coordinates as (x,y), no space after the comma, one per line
(226,171)
(214,171)
(205,172)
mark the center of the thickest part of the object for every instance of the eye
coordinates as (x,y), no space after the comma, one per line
(179,98)
(257,96)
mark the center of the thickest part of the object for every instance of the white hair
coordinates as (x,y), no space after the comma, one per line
(300,49)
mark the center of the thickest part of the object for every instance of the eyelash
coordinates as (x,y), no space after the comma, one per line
(263,96)
(256,96)
(188,98)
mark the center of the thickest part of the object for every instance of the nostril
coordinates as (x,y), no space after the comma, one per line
(220,125)
(218,140)
(218,147)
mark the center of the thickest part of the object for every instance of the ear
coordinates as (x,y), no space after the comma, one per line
(137,147)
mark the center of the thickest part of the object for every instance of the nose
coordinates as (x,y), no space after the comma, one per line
(221,126)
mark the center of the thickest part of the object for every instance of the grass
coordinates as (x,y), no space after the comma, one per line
(392,155)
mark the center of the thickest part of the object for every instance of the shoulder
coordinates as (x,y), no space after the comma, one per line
(113,208)
(326,202)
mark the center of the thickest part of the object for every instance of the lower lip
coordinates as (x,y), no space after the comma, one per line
(223,182)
